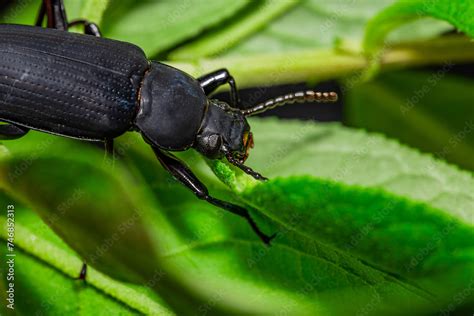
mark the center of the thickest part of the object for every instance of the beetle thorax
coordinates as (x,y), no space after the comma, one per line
(172,107)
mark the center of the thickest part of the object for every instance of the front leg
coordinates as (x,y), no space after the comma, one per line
(184,175)
(213,80)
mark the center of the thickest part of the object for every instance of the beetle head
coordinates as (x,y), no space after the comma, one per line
(224,132)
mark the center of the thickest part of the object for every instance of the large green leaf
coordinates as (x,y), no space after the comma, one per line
(406,228)
(214,256)
(402,230)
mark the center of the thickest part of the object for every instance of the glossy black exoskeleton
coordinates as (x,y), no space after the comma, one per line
(96,89)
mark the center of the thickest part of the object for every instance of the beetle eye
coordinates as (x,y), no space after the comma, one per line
(247,140)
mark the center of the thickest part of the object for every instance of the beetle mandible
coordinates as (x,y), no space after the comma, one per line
(92,88)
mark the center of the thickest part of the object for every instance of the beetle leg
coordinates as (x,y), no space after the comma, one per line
(41,14)
(55,13)
(10,131)
(245,169)
(83,274)
(109,146)
(215,79)
(89,27)
(184,175)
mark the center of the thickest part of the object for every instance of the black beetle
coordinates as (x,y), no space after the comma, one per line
(96,89)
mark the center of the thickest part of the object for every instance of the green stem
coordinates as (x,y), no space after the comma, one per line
(324,64)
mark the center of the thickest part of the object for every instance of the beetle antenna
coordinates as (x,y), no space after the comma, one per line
(300,97)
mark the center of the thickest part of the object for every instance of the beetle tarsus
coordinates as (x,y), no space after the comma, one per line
(83,274)
(11,131)
(184,175)
(109,146)
(238,210)
(246,169)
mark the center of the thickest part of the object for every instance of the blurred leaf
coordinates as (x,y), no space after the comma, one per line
(459,13)
(59,294)
(293,46)
(321,24)
(94,195)
(21,12)
(431,111)
(156,26)
(221,39)
(43,258)
(25,12)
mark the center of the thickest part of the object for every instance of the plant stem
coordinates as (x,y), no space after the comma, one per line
(324,64)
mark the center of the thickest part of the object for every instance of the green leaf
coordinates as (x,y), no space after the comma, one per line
(100,211)
(295,46)
(156,26)
(459,13)
(322,24)
(225,37)
(59,294)
(43,258)
(213,256)
(431,111)
(299,45)
(93,198)
(390,231)
(23,12)
(221,253)
(312,24)
(216,251)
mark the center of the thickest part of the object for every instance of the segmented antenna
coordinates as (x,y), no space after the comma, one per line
(300,97)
